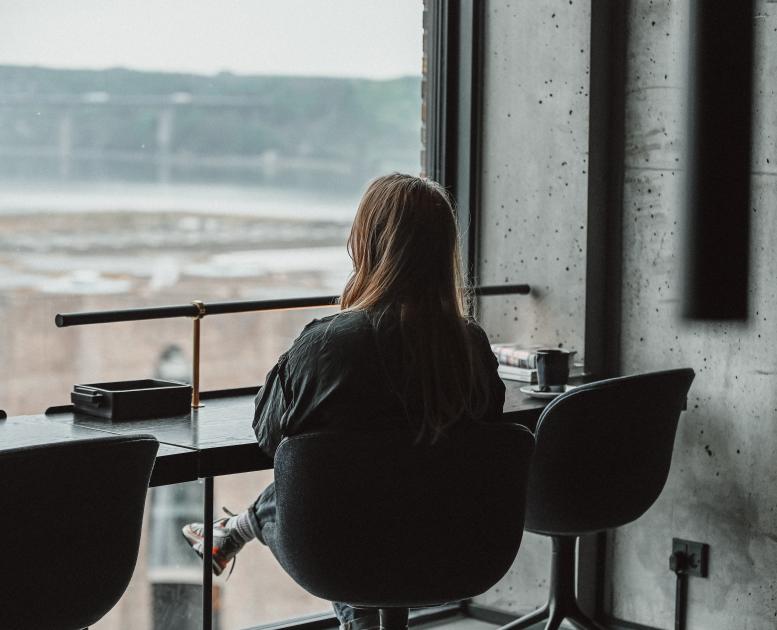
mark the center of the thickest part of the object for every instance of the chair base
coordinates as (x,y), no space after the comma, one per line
(393,618)
(562,603)
(576,618)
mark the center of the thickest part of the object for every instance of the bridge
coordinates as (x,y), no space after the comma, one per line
(162,156)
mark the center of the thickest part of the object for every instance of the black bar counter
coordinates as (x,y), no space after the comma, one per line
(173,464)
(214,440)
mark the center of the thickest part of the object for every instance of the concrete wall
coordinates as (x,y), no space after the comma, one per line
(535,143)
(723,485)
(534,201)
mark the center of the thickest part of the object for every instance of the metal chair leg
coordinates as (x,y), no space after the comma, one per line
(555,620)
(562,603)
(393,618)
(527,621)
(582,621)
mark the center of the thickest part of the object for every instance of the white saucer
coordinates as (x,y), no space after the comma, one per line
(530,391)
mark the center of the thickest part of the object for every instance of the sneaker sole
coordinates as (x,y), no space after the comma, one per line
(197,544)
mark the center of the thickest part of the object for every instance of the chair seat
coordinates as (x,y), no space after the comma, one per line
(72,515)
(400,524)
(602,458)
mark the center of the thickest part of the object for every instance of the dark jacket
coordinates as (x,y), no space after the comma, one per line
(342,373)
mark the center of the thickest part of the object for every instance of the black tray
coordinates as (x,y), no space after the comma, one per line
(132,400)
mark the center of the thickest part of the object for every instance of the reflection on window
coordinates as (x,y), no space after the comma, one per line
(156,153)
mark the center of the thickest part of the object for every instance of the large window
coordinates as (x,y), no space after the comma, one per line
(157,153)
(160,152)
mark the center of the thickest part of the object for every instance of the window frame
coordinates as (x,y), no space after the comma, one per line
(452,95)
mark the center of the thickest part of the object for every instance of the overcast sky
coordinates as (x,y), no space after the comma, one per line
(364,38)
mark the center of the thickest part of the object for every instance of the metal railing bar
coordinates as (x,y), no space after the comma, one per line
(63,320)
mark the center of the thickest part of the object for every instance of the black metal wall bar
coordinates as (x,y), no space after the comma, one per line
(221,308)
(606,144)
(604,258)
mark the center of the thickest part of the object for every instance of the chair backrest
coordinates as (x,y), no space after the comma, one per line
(373,519)
(70,522)
(603,452)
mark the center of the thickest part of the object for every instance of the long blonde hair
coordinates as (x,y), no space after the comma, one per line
(405,250)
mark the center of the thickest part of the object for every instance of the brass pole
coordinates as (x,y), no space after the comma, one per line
(196,354)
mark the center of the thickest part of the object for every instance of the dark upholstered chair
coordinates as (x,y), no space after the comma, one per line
(70,524)
(376,521)
(602,458)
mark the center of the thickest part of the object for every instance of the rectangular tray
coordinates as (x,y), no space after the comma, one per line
(132,400)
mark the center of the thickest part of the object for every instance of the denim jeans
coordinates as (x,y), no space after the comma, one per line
(262,514)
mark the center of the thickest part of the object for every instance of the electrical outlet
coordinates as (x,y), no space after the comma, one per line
(695,555)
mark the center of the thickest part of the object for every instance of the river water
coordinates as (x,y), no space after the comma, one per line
(258,202)
(118,238)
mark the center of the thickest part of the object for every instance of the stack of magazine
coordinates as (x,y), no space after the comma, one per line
(519,363)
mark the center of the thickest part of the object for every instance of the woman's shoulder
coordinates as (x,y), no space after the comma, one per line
(332,331)
(356,328)
(475,330)
(340,323)
(479,339)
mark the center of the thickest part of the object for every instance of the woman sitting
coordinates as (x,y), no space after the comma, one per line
(400,351)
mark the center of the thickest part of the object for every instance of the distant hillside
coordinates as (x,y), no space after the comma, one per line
(145,125)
